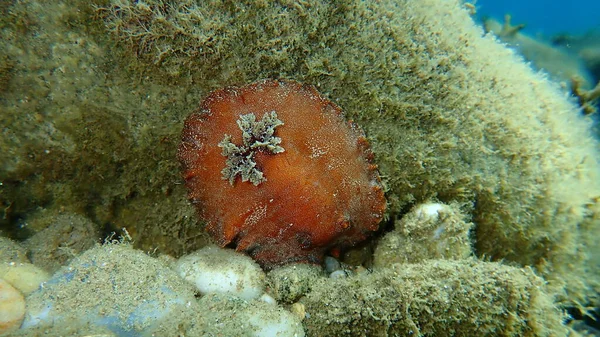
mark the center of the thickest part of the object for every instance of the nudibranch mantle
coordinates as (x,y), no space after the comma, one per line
(289,187)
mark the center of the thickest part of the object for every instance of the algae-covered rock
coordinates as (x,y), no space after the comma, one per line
(94,107)
(288,283)
(11,251)
(428,231)
(231,316)
(59,238)
(434,298)
(110,288)
(77,141)
(451,113)
(116,290)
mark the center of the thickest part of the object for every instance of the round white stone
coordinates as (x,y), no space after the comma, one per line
(216,270)
(279,322)
(430,210)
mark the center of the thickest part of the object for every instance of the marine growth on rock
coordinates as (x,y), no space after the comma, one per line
(276,171)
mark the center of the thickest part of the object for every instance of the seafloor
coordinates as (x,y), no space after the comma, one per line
(489,167)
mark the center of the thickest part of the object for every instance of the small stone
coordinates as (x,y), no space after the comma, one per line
(338,274)
(268,299)
(331,264)
(298,310)
(287,284)
(12,307)
(24,276)
(216,270)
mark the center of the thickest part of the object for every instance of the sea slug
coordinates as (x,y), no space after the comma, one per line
(276,171)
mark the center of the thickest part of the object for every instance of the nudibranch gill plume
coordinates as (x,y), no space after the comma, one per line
(276,171)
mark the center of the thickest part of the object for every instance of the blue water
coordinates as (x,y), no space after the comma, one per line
(546,17)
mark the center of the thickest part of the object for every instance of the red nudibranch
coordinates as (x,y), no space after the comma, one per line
(276,171)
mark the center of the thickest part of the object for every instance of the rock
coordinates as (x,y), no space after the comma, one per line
(12,307)
(215,270)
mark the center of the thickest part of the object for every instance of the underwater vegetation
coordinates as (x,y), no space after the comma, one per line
(586,98)
(574,61)
(93,100)
(586,46)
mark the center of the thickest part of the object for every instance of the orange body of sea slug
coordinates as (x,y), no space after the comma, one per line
(276,171)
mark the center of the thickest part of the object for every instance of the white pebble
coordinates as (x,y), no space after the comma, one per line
(268,299)
(216,270)
(331,264)
(338,274)
(430,210)
(278,323)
